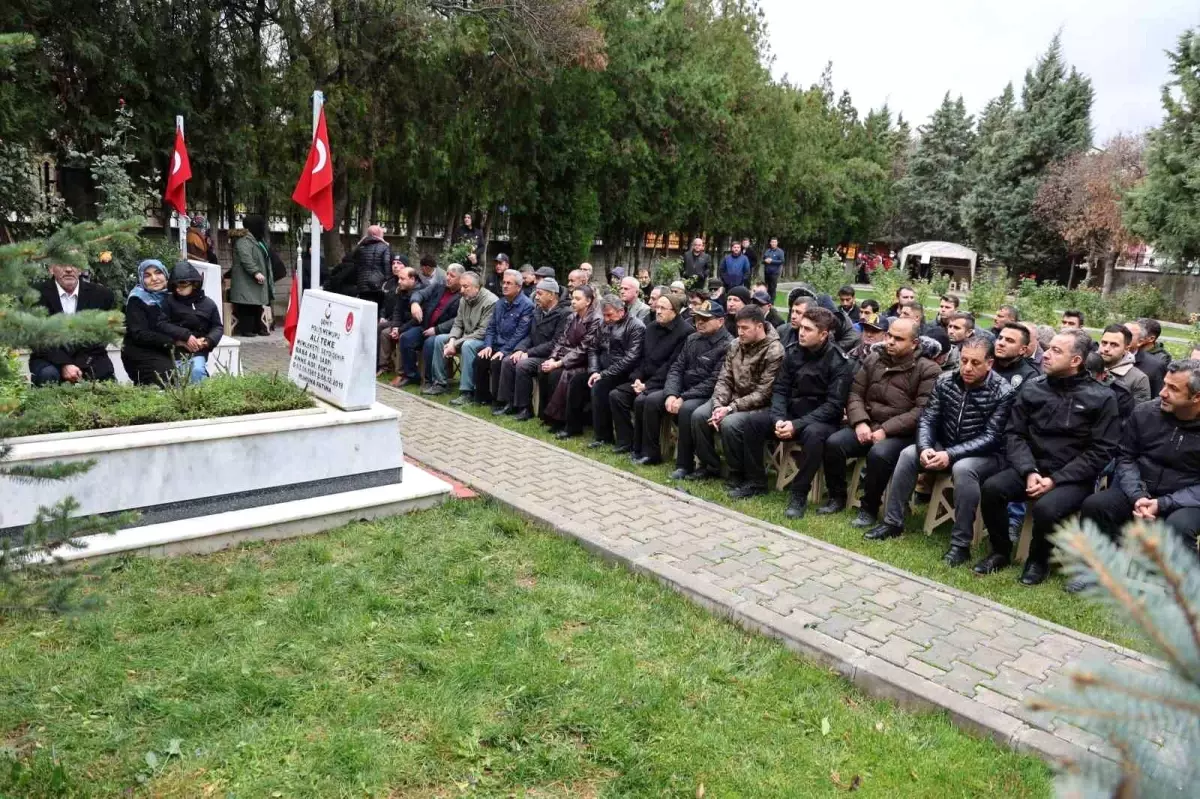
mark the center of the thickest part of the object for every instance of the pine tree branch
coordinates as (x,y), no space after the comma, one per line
(1149,540)
(1078,543)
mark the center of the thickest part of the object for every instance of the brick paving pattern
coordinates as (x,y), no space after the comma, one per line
(894,634)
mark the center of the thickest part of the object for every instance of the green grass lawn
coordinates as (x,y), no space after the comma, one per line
(914,552)
(455,651)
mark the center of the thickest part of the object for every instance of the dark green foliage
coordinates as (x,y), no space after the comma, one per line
(1166,207)
(96,406)
(932,190)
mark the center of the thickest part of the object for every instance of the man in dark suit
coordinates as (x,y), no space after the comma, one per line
(67,294)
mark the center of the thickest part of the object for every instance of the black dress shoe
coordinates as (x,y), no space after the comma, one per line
(796,509)
(863,519)
(679,474)
(746,491)
(596,444)
(702,474)
(992,563)
(1079,584)
(957,556)
(1035,573)
(646,460)
(834,505)
(501,410)
(882,532)
(524,415)
(621,449)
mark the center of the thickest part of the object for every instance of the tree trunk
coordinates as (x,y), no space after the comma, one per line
(1071,274)
(1110,268)
(414,222)
(334,247)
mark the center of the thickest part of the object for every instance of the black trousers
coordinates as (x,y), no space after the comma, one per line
(743,437)
(685,449)
(248,320)
(1111,510)
(523,376)
(487,379)
(578,395)
(648,412)
(811,439)
(881,462)
(602,419)
(1048,510)
(627,410)
(772,281)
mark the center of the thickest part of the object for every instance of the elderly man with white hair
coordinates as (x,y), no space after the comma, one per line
(511,317)
(629,290)
(465,337)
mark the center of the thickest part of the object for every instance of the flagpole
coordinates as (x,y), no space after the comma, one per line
(315,243)
(179,218)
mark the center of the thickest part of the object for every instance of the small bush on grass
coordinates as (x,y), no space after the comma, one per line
(96,406)
(826,275)
(988,292)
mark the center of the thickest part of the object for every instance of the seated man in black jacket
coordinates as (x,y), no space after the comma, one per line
(1012,343)
(1158,466)
(611,363)
(806,406)
(65,293)
(960,431)
(521,369)
(689,385)
(395,315)
(1063,431)
(664,339)
(433,311)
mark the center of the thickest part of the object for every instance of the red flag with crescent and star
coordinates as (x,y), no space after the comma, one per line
(180,174)
(314,190)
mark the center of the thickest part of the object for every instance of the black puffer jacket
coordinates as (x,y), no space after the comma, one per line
(1160,459)
(694,373)
(372,265)
(812,385)
(620,348)
(966,423)
(1066,428)
(659,350)
(1153,364)
(544,330)
(193,315)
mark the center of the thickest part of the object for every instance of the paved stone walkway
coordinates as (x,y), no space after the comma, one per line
(894,634)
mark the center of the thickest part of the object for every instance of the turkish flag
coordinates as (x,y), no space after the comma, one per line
(314,190)
(292,320)
(181,173)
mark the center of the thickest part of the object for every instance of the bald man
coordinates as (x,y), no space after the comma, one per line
(372,266)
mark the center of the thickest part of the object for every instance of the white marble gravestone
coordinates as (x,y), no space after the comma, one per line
(334,356)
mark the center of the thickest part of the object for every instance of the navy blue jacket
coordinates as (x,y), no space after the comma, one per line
(735,271)
(510,324)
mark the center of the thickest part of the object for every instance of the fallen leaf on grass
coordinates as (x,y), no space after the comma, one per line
(854,784)
(700,791)
(825,727)
(879,726)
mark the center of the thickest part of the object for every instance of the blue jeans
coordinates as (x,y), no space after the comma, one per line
(197,367)
(466,352)
(411,342)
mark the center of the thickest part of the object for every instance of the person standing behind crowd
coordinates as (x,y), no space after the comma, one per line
(889,391)
(744,385)
(200,245)
(372,266)
(663,340)
(773,260)
(735,268)
(751,258)
(519,370)
(697,265)
(1063,431)
(250,287)
(467,232)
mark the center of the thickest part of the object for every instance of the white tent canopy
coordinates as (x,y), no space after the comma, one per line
(928,250)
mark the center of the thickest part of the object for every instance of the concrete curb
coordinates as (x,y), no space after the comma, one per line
(872,674)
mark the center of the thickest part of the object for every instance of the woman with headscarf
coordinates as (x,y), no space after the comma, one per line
(250,283)
(565,371)
(146,351)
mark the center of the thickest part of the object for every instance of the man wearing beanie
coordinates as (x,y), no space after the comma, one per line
(663,340)
(735,300)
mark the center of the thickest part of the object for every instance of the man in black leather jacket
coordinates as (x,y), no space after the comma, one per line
(960,431)
(372,265)
(619,351)
(1063,431)
(1157,473)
